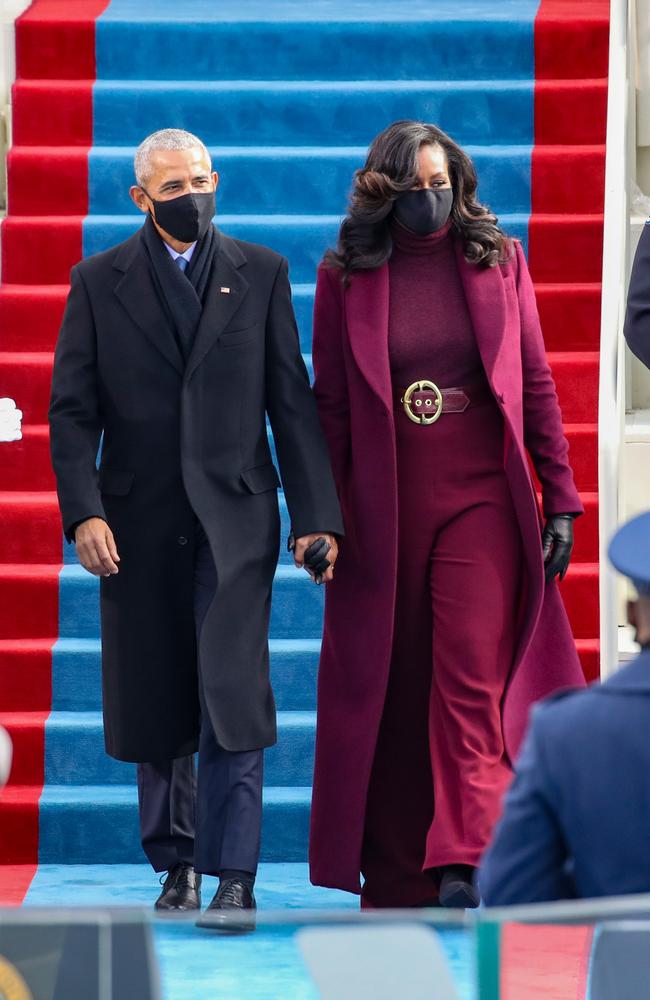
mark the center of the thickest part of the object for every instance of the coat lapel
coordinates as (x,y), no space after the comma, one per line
(486,301)
(220,305)
(137,293)
(366,310)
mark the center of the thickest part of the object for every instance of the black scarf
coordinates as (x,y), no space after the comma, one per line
(182,294)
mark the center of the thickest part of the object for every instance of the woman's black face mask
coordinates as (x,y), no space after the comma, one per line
(187,218)
(425,210)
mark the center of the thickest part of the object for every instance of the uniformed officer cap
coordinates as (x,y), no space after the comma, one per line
(629,552)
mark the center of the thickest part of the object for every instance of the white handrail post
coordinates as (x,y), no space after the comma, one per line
(611,413)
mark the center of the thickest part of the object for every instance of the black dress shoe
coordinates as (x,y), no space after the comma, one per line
(233,909)
(181,890)
(456,887)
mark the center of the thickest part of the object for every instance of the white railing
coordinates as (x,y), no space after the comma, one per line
(620,155)
(9,11)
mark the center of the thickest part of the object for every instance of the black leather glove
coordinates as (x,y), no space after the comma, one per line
(316,558)
(557,545)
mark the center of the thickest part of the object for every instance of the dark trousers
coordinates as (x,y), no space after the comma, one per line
(440,767)
(210,817)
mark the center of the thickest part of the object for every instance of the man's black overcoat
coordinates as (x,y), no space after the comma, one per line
(183,440)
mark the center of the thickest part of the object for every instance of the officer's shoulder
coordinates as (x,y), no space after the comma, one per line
(561,706)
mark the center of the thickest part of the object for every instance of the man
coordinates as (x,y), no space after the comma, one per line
(577,816)
(175,345)
(637,318)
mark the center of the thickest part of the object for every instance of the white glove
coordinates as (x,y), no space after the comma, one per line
(5,756)
(10,421)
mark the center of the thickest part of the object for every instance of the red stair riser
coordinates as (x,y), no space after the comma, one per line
(565,248)
(589,658)
(570,179)
(40,250)
(570,316)
(27,378)
(53,113)
(27,733)
(560,248)
(47,181)
(576,379)
(25,465)
(30,529)
(30,316)
(583,455)
(569,45)
(21,660)
(580,593)
(586,532)
(570,112)
(19,825)
(57,39)
(29,601)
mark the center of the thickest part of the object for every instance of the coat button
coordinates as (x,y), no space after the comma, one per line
(182,540)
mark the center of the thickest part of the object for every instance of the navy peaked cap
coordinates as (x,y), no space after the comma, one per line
(629,552)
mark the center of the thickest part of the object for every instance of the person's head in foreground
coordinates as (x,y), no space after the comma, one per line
(576,819)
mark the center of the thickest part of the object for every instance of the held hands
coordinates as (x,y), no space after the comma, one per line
(557,544)
(96,547)
(316,553)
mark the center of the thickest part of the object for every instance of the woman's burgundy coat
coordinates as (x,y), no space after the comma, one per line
(355,400)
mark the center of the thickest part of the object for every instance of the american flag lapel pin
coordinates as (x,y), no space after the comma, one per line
(225,290)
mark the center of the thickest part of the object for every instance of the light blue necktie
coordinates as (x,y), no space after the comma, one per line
(182,263)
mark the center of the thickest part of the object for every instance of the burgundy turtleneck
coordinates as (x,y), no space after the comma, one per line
(430,332)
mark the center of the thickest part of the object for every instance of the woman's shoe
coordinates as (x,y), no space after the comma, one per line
(457,888)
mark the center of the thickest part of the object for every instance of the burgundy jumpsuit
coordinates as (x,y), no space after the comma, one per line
(440,766)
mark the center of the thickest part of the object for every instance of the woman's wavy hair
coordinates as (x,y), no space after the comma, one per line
(391,168)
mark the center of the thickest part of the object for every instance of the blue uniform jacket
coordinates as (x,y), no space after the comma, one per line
(576,821)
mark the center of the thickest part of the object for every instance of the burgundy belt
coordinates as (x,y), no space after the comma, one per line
(424,403)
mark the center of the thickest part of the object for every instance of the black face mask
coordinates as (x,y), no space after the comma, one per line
(424,211)
(186,218)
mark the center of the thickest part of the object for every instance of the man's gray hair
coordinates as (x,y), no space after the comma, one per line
(165,138)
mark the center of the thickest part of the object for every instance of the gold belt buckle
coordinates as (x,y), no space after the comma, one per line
(433,410)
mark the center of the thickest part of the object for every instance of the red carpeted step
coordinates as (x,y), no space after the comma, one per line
(56,38)
(567,179)
(583,455)
(580,593)
(29,601)
(589,653)
(25,465)
(27,378)
(23,659)
(40,250)
(19,824)
(570,315)
(15,881)
(47,180)
(586,531)
(566,248)
(576,378)
(570,112)
(27,731)
(571,39)
(30,316)
(53,113)
(30,528)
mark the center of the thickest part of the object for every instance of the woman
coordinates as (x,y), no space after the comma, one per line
(442,624)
